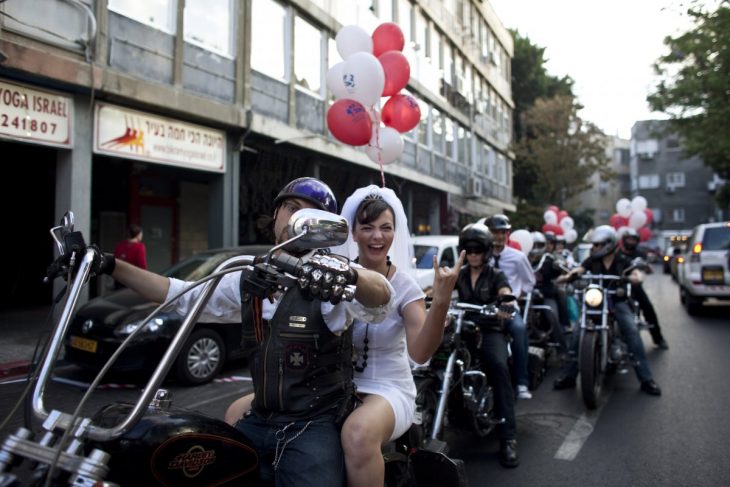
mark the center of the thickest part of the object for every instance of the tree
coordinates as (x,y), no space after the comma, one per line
(694,88)
(564,149)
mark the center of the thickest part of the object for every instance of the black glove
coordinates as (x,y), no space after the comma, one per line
(104,262)
(327,277)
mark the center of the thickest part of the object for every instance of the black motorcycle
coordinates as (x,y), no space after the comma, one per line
(453,390)
(151,442)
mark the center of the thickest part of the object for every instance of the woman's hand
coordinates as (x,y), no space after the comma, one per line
(444,278)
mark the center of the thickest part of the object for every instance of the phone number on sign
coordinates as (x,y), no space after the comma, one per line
(27,124)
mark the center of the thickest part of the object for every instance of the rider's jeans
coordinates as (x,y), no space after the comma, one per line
(312,457)
(518,330)
(630,332)
(494,360)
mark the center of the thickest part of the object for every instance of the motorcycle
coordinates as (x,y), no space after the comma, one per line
(602,349)
(453,389)
(152,442)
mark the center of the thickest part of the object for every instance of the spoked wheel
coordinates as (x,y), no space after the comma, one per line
(591,371)
(426,403)
(201,358)
(483,417)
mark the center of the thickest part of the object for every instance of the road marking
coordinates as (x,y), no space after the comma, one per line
(580,432)
(233,378)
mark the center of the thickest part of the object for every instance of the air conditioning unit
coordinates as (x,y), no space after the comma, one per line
(474,188)
(671,189)
(645,155)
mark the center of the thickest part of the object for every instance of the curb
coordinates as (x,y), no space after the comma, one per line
(14,369)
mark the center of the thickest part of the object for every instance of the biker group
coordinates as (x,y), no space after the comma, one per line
(325,397)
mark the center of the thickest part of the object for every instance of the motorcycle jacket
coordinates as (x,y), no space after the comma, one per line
(300,369)
(485,291)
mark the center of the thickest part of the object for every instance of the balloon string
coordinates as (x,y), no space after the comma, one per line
(380,152)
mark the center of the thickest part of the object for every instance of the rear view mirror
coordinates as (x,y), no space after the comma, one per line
(310,228)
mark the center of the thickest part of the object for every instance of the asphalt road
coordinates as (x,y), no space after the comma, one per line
(679,439)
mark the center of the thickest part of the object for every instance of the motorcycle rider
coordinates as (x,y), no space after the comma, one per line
(562,253)
(605,259)
(630,249)
(521,279)
(480,283)
(296,414)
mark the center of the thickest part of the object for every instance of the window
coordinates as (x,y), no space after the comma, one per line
(405,10)
(159,14)
(716,238)
(449,150)
(649,181)
(385,10)
(209,24)
(268,39)
(423,123)
(447,64)
(308,55)
(678,214)
(462,145)
(675,179)
(672,143)
(420,35)
(437,130)
(646,149)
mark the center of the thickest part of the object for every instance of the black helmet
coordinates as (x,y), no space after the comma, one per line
(310,189)
(550,236)
(538,245)
(498,222)
(630,239)
(475,235)
(605,237)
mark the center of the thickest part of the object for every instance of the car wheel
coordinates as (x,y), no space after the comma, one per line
(201,358)
(691,304)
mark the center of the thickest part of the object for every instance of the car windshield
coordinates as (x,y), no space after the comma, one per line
(197,266)
(424,256)
(717,238)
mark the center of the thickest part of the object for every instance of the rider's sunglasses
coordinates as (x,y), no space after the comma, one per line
(473,250)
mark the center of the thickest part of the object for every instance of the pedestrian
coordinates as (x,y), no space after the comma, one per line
(132,249)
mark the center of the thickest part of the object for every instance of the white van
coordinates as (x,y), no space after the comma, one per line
(425,247)
(705,271)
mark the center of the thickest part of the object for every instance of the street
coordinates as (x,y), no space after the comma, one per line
(679,439)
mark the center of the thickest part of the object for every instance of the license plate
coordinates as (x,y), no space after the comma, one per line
(84,344)
(713,275)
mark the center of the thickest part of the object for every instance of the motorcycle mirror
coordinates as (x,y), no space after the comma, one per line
(310,228)
(60,232)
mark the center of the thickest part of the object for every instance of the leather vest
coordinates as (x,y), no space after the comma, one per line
(300,369)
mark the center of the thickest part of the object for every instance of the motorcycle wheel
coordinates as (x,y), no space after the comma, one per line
(201,358)
(483,423)
(591,375)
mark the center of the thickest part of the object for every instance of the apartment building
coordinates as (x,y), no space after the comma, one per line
(187,116)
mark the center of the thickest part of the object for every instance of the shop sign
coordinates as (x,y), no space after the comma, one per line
(33,115)
(131,134)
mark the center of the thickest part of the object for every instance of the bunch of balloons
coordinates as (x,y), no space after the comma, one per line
(560,223)
(632,214)
(372,67)
(521,240)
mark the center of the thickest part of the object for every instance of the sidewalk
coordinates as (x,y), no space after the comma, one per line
(19,332)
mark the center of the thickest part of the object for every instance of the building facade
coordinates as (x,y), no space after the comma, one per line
(187,116)
(679,189)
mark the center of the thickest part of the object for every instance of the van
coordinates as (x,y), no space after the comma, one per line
(705,271)
(445,247)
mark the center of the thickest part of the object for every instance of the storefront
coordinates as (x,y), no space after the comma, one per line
(36,134)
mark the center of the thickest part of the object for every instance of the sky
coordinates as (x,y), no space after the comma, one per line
(606,46)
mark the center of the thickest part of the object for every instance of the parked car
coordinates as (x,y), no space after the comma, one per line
(705,272)
(445,247)
(102,324)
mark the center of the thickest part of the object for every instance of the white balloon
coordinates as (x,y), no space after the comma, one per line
(523,238)
(364,78)
(335,82)
(566,224)
(483,221)
(386,143)
(351,39)
(637,219)
(570,235)
(623,207)
(550,217)
(638,204)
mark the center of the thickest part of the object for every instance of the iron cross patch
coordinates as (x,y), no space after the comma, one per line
(297,357)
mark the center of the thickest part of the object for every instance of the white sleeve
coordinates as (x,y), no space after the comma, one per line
(224,305)
(340,316)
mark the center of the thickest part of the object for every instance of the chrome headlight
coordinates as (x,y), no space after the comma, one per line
(129,328)
(594,297)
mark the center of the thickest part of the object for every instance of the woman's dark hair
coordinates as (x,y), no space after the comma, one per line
(370,209)
(134,230)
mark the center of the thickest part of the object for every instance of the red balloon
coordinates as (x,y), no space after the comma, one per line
(401,112)
(562,214)
(514,245)
(644,234)
(649,216)
(397,71)
(550,227)
(349,122)
(617,221)
(554,208)
(387,37)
